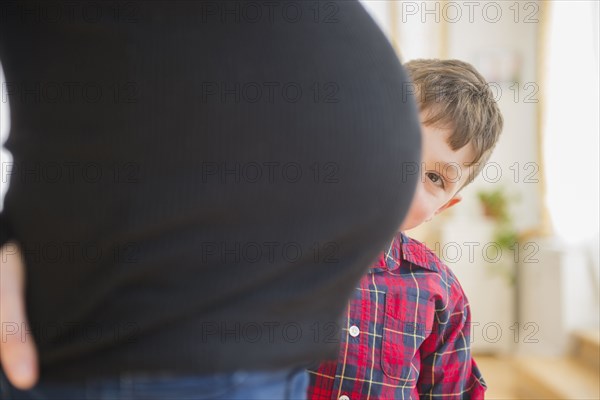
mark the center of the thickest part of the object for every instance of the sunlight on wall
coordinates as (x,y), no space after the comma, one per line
(571,120)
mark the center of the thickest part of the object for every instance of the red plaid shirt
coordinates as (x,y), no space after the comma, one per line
(406,334)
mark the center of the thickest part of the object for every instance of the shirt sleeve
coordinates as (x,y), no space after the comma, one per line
(447,367)
(5,231)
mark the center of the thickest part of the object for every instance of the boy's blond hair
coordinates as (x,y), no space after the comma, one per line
(454,95)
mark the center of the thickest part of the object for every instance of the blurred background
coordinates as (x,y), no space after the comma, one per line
(524,242)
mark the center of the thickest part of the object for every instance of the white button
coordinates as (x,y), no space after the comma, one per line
(354,332)
(344,397)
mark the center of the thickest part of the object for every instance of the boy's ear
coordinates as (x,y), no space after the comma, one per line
(454,200)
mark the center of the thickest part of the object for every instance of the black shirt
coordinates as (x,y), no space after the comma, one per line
(198,186)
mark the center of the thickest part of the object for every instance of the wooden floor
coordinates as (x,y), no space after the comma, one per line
(535,378)
(500,376)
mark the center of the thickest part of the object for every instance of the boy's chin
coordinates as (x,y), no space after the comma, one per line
(408,225)
(404,227)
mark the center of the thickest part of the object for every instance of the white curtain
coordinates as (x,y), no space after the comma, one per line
(570,125)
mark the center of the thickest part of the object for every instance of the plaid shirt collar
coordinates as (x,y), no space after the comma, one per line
(401,250)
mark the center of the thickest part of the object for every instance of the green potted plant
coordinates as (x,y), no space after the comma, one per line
(495,207)
(494,204)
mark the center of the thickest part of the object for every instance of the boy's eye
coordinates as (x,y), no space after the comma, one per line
(435,178)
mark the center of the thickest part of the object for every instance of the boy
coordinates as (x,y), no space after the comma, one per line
(406,334)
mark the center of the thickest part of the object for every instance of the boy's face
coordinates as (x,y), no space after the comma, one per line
(443,172)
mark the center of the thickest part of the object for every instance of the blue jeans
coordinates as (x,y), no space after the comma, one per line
(278,385)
